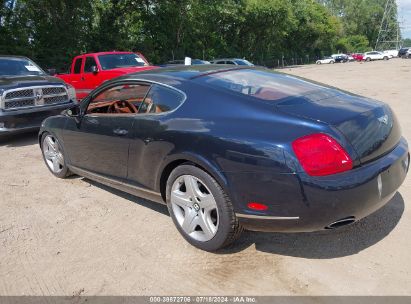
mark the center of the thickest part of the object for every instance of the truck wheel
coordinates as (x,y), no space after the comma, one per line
(200,209)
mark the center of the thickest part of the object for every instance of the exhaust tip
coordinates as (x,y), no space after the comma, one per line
(342,222)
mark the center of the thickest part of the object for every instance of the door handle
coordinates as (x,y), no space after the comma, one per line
(120,132)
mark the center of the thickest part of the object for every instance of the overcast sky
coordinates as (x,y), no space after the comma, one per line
(404,12)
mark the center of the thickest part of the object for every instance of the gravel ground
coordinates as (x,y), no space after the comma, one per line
(76,237)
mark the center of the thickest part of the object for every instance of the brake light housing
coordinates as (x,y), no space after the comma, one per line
(319,154)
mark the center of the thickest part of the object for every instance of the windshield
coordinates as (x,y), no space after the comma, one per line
(114,61)
(19,67)
(260,84)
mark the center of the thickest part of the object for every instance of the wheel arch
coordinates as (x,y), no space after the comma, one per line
(40,136)
(61,143)
(188,158)
(42,132)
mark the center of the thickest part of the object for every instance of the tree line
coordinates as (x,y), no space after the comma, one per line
(53,31)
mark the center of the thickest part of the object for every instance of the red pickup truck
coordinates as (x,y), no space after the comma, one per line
(88,71)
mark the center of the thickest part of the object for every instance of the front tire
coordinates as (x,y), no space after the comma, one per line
(53,155)
(200,209)
(368,59)
(385,58)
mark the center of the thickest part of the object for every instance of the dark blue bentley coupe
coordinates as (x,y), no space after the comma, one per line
(229,149)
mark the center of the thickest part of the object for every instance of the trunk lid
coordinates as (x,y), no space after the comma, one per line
(370,126)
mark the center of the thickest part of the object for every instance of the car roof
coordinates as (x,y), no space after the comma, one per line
(183,60)
(108,53)
(218,59)
(185,72)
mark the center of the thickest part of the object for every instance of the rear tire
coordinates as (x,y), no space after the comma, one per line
(200,209)
(368,59)
(53,156)
(385,58)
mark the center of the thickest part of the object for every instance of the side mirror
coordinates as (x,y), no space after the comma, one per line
(74,111)
(94,69)
(51,72)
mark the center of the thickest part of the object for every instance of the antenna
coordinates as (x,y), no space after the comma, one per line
(389,36)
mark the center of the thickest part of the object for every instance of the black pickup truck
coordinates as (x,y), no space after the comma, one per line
(28,95)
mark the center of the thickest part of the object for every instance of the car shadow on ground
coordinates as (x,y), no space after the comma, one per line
(19,140)
(325,244)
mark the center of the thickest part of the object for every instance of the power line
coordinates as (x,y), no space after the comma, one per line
(389,35)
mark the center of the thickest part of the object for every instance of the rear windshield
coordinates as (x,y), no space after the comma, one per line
(113,61)
(19,67)
(264,85)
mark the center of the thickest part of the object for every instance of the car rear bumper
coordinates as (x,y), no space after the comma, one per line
(19,121)
(305,204)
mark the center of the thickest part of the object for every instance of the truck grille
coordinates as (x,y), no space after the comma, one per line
(33,96)
(19,104)
(19,94)
(53,91)
(55,99)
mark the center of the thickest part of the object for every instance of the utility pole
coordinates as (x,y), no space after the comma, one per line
(389,35)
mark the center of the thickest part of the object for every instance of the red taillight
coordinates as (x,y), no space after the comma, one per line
(257,206)
(320,155)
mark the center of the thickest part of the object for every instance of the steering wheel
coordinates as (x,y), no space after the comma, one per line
(122,106)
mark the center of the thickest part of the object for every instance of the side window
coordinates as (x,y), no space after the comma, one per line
(161,99)
(122,99)
(230,62)
(220,62)
(90,62)
(77,65)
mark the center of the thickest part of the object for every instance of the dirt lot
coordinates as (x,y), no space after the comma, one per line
(75,237)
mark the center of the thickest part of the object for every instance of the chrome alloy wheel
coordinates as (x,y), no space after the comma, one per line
(194,208)
(52,154)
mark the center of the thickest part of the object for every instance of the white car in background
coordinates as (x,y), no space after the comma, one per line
(391,53)
(374,55)
(326,60)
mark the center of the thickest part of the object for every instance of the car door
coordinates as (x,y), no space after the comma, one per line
(91,76)
(99,141)
(75,76)
(152,142)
